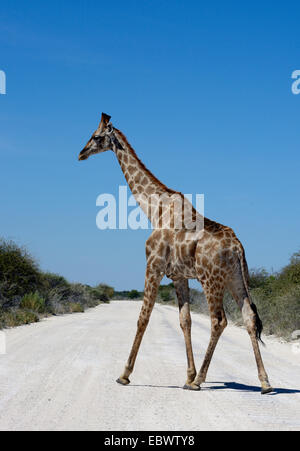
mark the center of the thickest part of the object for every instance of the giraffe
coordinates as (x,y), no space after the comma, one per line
(215,257)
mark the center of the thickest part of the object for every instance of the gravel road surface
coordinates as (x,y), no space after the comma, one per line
(60,374)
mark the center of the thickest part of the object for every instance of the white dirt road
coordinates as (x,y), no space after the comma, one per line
(60,375)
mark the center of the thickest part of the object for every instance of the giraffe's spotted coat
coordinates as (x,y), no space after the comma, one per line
(215,257)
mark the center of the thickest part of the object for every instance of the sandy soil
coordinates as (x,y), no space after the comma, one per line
(60,375)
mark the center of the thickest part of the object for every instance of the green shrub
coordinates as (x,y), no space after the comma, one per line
(198,301)
(292,273)
(106,289)
(280,310)
(25,291)
(19,273)
(97,295)
(51,281)
(258,278)
(101,293)
(81,294)
(166,293)
(34,302)
(60,297)
(75,307)
(26,317)
(133,294)
(125,294)
(17,317)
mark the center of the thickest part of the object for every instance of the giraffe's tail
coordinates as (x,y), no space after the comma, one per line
(245,274)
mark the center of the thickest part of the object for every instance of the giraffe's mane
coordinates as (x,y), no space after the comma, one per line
(151,175)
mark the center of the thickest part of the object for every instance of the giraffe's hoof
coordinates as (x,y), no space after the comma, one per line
(266,390)
(123,381)
(192,386)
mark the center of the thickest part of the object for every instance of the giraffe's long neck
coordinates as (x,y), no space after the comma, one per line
(143,184)
(164,207)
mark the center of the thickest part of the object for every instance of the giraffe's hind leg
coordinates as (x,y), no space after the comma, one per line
(183,296)
(214,295)
(252,323)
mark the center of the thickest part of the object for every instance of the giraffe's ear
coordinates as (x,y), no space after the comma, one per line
(105,118)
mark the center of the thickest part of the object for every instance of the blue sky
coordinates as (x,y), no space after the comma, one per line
(201,89)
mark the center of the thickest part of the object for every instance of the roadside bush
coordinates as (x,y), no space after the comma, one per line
(17,317)
(198,301)
(33,301)
(26,291)
(292,271)
(105,289)
(75,307)
(123,295)
(166,294)
(101,293)
(19,274)
(61,297)
(258,278)
(133,294)
(51,281)
(280,310)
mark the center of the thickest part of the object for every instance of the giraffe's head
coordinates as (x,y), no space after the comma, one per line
(101,140)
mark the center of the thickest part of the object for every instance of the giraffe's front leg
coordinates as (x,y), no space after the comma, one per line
(183,296)
(152,282)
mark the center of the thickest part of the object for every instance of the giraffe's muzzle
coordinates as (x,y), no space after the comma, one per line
(83,155)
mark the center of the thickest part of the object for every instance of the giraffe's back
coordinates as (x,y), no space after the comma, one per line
(184,254)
